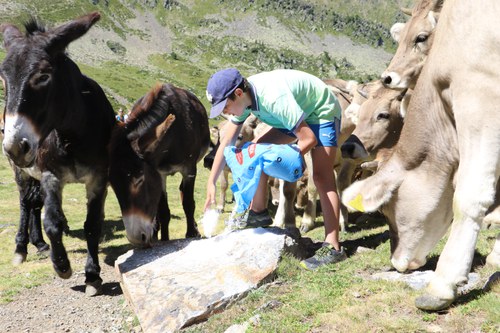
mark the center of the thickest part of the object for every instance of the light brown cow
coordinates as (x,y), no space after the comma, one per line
(446,164)
(379,123)
(415,39)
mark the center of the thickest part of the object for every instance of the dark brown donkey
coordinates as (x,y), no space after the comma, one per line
(147,148)
(58,121)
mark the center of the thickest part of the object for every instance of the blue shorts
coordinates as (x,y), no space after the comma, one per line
(326,133)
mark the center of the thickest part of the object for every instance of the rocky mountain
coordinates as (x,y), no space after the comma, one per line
(139,42)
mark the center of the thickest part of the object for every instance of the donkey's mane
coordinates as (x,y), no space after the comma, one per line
(148,112)
(33,25)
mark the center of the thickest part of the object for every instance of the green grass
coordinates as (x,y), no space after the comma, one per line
(337,298)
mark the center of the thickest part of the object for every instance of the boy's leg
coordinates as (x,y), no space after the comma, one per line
(273,135)
(323,159)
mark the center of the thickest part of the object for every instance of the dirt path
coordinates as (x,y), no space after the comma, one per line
(61,306)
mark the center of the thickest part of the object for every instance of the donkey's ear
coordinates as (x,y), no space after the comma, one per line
(148,143)
(61,36)
(10,33)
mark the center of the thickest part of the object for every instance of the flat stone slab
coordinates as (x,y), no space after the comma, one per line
(179,283)
(419,279)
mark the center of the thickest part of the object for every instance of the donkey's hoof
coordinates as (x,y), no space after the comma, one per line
(432,303)
(43,248)
(19,258)
(93,288)
(43,251)
(193,234)
(66,274)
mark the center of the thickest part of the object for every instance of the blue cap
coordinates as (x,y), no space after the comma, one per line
(220,86)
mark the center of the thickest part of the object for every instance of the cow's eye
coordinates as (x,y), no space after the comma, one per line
(421,38)
(383,115)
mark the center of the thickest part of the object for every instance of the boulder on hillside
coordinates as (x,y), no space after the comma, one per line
(182,282)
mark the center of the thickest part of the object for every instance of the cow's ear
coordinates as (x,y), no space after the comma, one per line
(61,36)
(406,11)
(364,90)
(10,33)
(352,112)
(147,144)
(370,194)
(403,107)
(396,31)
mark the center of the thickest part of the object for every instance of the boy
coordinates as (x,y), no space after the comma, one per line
(296,105)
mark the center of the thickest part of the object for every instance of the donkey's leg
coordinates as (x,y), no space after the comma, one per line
(22,236)
(163,216)
(187,188)
(35,230)
(163,211)
(35,221)
(96,195)
(54,223)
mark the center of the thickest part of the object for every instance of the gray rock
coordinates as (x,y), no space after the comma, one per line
(179,283)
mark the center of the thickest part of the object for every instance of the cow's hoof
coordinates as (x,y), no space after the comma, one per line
(304,228)
(19,258)
(93,288)
(64,275)
(432,303)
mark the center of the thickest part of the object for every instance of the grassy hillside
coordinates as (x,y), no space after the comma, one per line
(139,42)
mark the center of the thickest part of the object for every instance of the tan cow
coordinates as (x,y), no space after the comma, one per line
(447,162)
(379,123)
(415,39)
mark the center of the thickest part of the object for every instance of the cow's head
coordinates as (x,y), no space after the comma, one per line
(415,39)
(379,121)
(133,174)
(416,203)
(36,75)
(414,186)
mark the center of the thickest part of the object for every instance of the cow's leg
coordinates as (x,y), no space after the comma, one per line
(309,216)
(188,203)
(96,196)
(492,218)
(493,258)
(224,184)
(274,189)
(477,175)
(54,223)
(344,179)
(285,215)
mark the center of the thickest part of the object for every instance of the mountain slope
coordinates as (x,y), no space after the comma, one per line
(139,42)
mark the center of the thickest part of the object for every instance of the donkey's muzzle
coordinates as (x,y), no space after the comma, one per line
(20,152)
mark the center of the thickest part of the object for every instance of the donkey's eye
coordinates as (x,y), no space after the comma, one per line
(137,181)
(421,38)
(40,80)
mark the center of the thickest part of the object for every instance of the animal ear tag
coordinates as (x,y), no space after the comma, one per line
(357,203)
